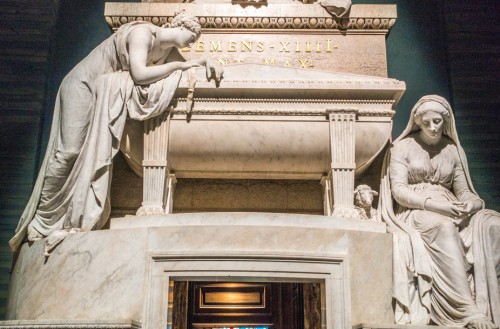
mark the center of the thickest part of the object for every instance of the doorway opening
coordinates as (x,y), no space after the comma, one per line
(246,305)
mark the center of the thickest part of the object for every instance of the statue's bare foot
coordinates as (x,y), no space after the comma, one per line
(482,323)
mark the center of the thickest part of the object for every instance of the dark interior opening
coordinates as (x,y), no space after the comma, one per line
(246,305)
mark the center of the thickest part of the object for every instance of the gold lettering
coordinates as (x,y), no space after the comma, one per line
(246,45)
(284,47)
(215,46)
(304,62)
(200,46)
(231,47)
(288,64)
(239,61)
(328,46)
(222,61)
(259,46)
(185,50)
(269,62)
(308,47)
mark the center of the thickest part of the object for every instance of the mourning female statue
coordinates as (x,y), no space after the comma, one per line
(136,72)
(446,245)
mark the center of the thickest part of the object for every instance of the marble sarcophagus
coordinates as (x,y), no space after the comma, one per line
(265,122)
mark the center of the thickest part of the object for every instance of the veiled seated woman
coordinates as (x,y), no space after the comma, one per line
(446,245)
(134,73)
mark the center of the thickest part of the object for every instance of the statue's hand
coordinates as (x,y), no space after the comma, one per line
(469,208)
(214,70)
(449,209)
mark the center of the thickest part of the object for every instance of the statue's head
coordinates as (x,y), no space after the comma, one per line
(363,196)
(431,106)
(432,117)
(182,19)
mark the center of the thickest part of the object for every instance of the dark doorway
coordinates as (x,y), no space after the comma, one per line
(259,305)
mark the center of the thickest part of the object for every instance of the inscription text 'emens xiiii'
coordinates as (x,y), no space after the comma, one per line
(304,36)
(275,53)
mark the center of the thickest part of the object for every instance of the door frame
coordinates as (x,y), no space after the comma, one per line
(331,272)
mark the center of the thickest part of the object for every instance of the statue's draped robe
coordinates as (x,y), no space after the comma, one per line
(439,264)
(91,109)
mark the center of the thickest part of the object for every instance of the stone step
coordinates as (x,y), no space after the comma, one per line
(69,324)
(399,326)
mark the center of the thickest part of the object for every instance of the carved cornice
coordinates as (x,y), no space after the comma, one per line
(292,100)
(238,111)
(342,111)
(375,81)
(270,111)
(226,16)
(267,23)
(378,113)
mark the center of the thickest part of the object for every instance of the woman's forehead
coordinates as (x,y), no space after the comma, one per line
(431,106)
(430,114)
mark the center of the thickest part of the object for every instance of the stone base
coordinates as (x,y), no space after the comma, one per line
(124,273)
(69,324)
(399,326)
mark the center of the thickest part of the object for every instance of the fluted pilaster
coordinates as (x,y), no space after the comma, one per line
(342,152)
(155,166)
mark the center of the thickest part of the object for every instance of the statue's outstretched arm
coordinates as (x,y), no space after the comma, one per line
(214,70)
(139,44)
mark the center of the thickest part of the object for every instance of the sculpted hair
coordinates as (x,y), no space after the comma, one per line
(431,106)
(359,190)
(182,19)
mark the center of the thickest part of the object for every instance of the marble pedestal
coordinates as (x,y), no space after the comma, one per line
(122,274)
(398,326)
(69,324)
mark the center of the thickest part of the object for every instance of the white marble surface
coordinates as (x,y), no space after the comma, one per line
(227,219)
(270,122)
(361,52)
(93,275)
(109,274)
(69,324)
(398,326)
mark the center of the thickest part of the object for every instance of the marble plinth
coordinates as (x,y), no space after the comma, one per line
(399,326)
(245,218)
(123,273)
(68,324)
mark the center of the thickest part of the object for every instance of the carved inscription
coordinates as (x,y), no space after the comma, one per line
(268,52)
(305,38)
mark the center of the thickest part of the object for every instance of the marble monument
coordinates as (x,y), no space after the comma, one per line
(247,91)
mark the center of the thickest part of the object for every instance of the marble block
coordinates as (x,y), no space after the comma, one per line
(398,326)
(122,274)
(69,324)
(224,219)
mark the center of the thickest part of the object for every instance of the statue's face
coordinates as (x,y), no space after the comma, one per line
(432,124)
(367,197)
(184,37)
